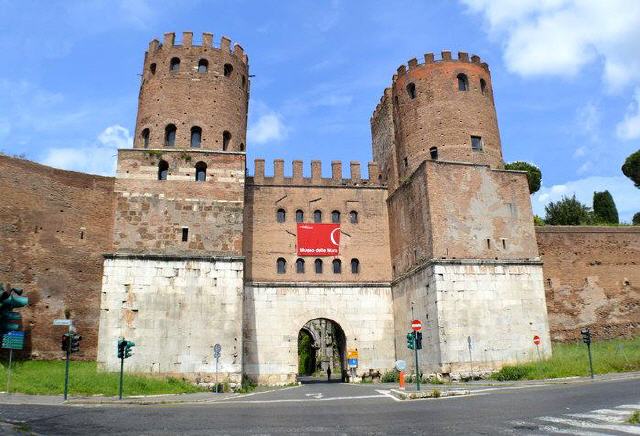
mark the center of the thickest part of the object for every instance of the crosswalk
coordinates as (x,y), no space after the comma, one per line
(592,423)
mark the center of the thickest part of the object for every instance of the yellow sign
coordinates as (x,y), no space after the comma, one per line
(352,354)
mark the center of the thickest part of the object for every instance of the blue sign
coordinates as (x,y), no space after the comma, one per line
(353,363)
(13,340)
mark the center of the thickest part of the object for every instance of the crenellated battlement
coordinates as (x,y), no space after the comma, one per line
(316,179)
(169,42)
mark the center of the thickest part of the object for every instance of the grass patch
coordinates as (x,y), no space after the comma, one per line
(634,418)
(46,377)
(568,360)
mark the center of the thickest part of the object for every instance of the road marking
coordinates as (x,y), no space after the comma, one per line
(583,424)
(388,394)
(629,406)
(316,396)
(600,417)
(299,400)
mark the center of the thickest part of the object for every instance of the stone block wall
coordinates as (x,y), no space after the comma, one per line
(175,310)
(592,279)
(274,314)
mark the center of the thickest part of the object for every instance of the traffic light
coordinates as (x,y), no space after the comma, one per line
(70,342)
(10,299)
(125,348)
(75,342)
(410,341)
(128,352)
(586,336)
(418,340)
(64,343)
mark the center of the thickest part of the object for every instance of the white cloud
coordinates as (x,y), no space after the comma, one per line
(269,127)
(625,195)
(560,37)
(98,158)
(629,127)
(588,121)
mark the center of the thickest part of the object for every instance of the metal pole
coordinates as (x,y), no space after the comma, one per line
(216,375)
(9,371)
(415,349)
(590,360)
(539,357)
(66,370)
(470,358)
(121,376)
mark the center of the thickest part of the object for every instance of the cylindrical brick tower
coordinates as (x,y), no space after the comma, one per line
(444,110)
(193,96)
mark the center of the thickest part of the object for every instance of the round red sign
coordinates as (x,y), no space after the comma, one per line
(536,340)
(416,325)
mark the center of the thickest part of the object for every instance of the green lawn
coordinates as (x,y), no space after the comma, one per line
(42,377)
(616,355)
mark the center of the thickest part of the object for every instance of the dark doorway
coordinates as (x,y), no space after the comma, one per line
(321,348)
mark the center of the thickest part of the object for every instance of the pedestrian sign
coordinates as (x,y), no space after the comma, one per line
(13,340)
(353,363)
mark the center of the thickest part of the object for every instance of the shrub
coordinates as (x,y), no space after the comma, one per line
(537,221)
(604,208)
(567,212)
(636,219)
(631,168)
(392,376)
(508,373)
(435,393)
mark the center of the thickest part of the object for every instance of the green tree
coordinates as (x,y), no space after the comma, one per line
(567,212)
(631,168)
(636,219)
(604,208)
(305,354)
(534,175)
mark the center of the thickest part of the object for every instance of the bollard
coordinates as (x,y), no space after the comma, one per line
(401,379)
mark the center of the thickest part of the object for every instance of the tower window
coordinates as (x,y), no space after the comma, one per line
(241,147)
(463,82)
(300,266)
(337,266)
(335,217)
(317,216)
(226,140)
(174,65)
(244,81)
(281,265)
(406,162)
(170,135)
(318,266)
(353,217)
(163,170)
(411,90)
(299,216)
(145,138)
(152,68)
(228,69)
(433,151)
(489,244)
(355,266)
(203,66)
(483,87)
(281,215)
(196,136)
(185,234)
(476,143)
(201,172)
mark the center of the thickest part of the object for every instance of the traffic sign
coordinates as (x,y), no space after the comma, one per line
(13,340)
(416,325)
(352,354)
(62,322)
(353,363)
(536,340)
(400,365)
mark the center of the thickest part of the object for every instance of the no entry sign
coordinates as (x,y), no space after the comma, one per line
(416,325)
(536,340)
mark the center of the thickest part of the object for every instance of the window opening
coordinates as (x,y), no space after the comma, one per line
(483,86)
(411,90)
(163,170)
(299,216)
(355,266)
(476,143)
(174,66)
(335,217)
(489,243)
(152,68)
(203,66)
(463,82)
(281,265)
(201,172)
(353,217)
(226,140)
(228,69)
(185,234)
(317,216)
(145,138)
(196,137)
(300,266)
(337,266)
(433,151)
(318,266)
(280,215)
(170,135)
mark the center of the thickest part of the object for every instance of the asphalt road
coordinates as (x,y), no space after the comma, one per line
(578,408)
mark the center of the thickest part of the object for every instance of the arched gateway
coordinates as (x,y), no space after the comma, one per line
(321,347)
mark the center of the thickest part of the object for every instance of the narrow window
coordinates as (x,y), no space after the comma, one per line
(244,81)
(201,172)
(300,266)
(335,217)
(483,87)
(355,266)
(281,265)
(463,82)
(433,151)
(488,244)
(299,216)
(281,215)
(228,69)
(317,216)
(81,234)
(318,266)
(174,65)
(504,244)
(353,217)
(476,143)
(337,266)
(152,68)
(196,137)
(145,138)
(406,162)
(411,90)
(163,170)
(203,66)
(185,234)
(241,147)
(170,135)
(226,140)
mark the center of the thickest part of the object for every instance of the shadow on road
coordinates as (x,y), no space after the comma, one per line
(310,380)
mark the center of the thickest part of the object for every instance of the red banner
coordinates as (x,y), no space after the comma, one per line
(318,239)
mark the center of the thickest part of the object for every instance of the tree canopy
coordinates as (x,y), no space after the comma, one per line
(636,219)
(604,208)
(567,212)
(534,175)
(631,168)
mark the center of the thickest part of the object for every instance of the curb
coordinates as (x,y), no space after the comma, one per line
(434,393)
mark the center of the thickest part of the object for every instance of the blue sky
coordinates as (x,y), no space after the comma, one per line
(566,77)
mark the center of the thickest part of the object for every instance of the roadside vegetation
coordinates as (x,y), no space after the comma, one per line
(46,377)
(569,360)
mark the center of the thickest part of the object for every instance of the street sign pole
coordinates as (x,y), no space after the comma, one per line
(590,359)
(121,376)
(415,349)
(217,375)
(66,367)
(217,348)
(470,358)
(9,371)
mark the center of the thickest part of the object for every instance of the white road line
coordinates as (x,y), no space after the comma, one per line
(300,400)
(581,424)
(552,429)
(600,417)
(629,406)
(388,394)
(611,412)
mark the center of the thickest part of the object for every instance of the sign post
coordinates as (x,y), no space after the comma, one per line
(66,347)
(536,340)
(352,361)
(416,326)
(217,348)
(470,358)
(586,338)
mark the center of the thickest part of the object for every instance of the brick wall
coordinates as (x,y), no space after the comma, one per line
(54,227)
(592,279)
